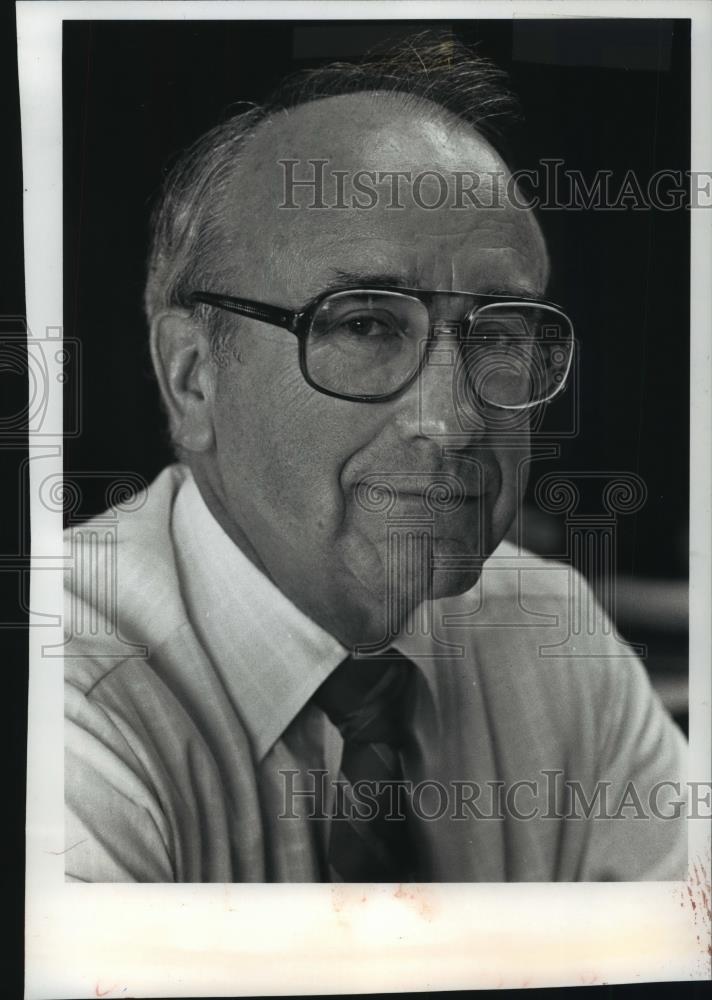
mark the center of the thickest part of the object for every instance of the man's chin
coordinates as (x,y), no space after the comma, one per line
(457,566)
(452,582)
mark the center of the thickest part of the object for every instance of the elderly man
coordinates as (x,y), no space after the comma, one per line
(303,672)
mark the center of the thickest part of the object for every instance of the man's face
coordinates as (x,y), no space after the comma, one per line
(289,468)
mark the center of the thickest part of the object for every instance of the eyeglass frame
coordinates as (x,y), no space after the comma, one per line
(299,323)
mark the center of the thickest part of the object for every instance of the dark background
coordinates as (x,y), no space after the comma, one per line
(599,95)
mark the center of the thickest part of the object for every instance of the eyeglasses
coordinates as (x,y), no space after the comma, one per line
(369,344)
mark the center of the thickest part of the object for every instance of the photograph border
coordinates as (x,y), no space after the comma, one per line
(265,939)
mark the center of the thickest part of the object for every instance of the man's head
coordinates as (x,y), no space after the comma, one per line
(291,473)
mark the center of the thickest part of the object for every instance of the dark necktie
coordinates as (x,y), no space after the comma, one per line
(368,700)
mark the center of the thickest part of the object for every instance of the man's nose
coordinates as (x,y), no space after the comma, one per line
(441,404)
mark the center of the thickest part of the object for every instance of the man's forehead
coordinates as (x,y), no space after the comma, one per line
(446,264)
(368,133)
(353,206)
(363,123)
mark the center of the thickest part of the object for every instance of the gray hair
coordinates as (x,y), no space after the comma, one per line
(431,67)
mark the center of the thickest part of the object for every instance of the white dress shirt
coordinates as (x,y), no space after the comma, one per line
(188,684)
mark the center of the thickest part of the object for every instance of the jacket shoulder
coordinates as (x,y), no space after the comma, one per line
(122,590)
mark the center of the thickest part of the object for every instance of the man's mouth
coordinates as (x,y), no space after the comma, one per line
(438,491)
(433,491)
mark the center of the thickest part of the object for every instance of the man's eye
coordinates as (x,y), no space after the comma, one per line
(495,332)
(365,325)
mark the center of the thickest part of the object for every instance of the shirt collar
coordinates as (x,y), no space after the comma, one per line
(270,656)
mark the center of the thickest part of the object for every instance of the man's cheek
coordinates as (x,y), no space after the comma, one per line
(514,471)
(361,548)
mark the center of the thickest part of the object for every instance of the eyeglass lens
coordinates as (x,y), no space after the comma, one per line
(370,343)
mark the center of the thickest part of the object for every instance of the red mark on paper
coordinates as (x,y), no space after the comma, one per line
(697,896)
(419,897)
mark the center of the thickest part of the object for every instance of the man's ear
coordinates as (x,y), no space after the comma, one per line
(180,349)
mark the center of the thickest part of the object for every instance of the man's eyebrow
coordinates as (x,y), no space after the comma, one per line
(513,289)
(364,279)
